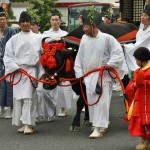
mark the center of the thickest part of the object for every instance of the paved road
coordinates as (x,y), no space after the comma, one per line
(56,135)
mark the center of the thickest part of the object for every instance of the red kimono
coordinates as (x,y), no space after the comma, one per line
(140,121)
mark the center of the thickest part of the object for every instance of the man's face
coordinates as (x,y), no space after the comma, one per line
(55,22)
(107,21)
(145,19)
(25,26)
(87,29)
(138,62)
(3,22)
(80,20)
(35,28)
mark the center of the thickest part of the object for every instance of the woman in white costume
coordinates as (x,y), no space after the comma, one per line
(23,51)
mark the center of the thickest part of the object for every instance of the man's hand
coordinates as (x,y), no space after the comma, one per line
(135,85)
(107,67)
(122,45)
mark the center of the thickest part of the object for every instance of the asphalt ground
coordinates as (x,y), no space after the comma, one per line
(55,135)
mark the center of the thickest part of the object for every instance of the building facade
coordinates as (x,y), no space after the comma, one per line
(61,4)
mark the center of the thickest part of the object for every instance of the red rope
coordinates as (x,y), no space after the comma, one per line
(77,80)
(111,75)
(101,74)
(38,80)
(84,97)
(51,82)
(12,79)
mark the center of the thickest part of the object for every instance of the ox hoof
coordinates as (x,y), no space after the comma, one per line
(92,128)
(85,122)
(74,128)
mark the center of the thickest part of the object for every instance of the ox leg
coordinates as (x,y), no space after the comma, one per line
(76,121)
(80,105)
(86,118)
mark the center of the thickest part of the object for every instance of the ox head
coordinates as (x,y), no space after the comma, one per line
(56,61)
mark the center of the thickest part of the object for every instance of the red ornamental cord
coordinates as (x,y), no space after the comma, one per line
(48,59)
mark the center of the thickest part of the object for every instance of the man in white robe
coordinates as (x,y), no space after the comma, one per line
(142,39)
(35,27)
(62,95)
(45,105)
(23,51)
(98,49)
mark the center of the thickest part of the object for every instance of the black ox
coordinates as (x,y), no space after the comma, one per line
(61,55)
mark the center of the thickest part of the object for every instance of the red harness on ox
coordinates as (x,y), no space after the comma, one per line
(48,59)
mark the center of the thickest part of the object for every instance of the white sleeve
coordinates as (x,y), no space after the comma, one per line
(140,41)
(117,58)
(78,63)
(116,53)
(9,61)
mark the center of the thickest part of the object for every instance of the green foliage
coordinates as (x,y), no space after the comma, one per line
(10,13)
(19,0)
(91,13)
(41,12)
(109,12)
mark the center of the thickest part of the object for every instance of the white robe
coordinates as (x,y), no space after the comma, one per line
(23,51)
(94,53)
(142,40)
(54,34)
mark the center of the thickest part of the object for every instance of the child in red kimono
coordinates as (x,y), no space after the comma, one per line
(140,120)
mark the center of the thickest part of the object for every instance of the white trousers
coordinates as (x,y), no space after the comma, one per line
(24,112)
(99,113)
(46,102)
(64,95)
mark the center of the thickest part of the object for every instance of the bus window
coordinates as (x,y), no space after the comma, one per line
(74,10)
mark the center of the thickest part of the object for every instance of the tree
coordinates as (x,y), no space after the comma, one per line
(10,11)
(19,1)
(41,12)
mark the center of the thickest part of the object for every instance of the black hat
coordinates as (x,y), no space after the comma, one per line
(2,12)
(90,19)
(24,16)
(147,9)
(35,22)
(108,17)
(142,54)
(55,12)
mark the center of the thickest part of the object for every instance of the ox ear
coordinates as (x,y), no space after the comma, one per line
(43,40)
(69,52)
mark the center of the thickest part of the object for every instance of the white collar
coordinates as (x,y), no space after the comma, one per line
(54,30)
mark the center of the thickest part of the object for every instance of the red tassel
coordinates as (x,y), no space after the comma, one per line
(139,78)
(43,60)
(51,62)
(68,65)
